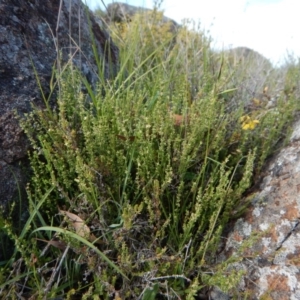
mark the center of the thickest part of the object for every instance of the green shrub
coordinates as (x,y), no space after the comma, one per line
(131,190)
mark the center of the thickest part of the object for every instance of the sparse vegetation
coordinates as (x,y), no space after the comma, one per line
(132,187)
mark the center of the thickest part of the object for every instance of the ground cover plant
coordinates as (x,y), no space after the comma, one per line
(134,182)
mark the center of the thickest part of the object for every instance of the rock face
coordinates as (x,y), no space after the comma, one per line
(120,12)
(244,54)
(31,33)
(272,262)
(254,71)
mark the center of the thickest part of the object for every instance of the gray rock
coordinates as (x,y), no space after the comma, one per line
(251,73)
(120,12)
(217,294)
(272,261)
(245,54)
(31,32)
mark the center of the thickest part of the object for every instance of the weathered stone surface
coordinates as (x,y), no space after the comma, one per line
(272,262)
(251,73)
(31,33)
(120,12)
(245,54)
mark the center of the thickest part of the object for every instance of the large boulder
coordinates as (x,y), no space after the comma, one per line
(271,228)
(246,55)
(252,74)
(121,12)
(32,35)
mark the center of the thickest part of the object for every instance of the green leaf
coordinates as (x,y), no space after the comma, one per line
(151,293)
(84,241)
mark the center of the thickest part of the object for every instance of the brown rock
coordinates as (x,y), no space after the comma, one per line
(31,33)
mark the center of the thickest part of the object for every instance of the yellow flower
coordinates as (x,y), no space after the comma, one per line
(256,102)
(248,123)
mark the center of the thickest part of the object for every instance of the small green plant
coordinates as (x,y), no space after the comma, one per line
(131,188)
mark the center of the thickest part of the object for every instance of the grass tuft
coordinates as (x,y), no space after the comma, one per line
(134,181)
